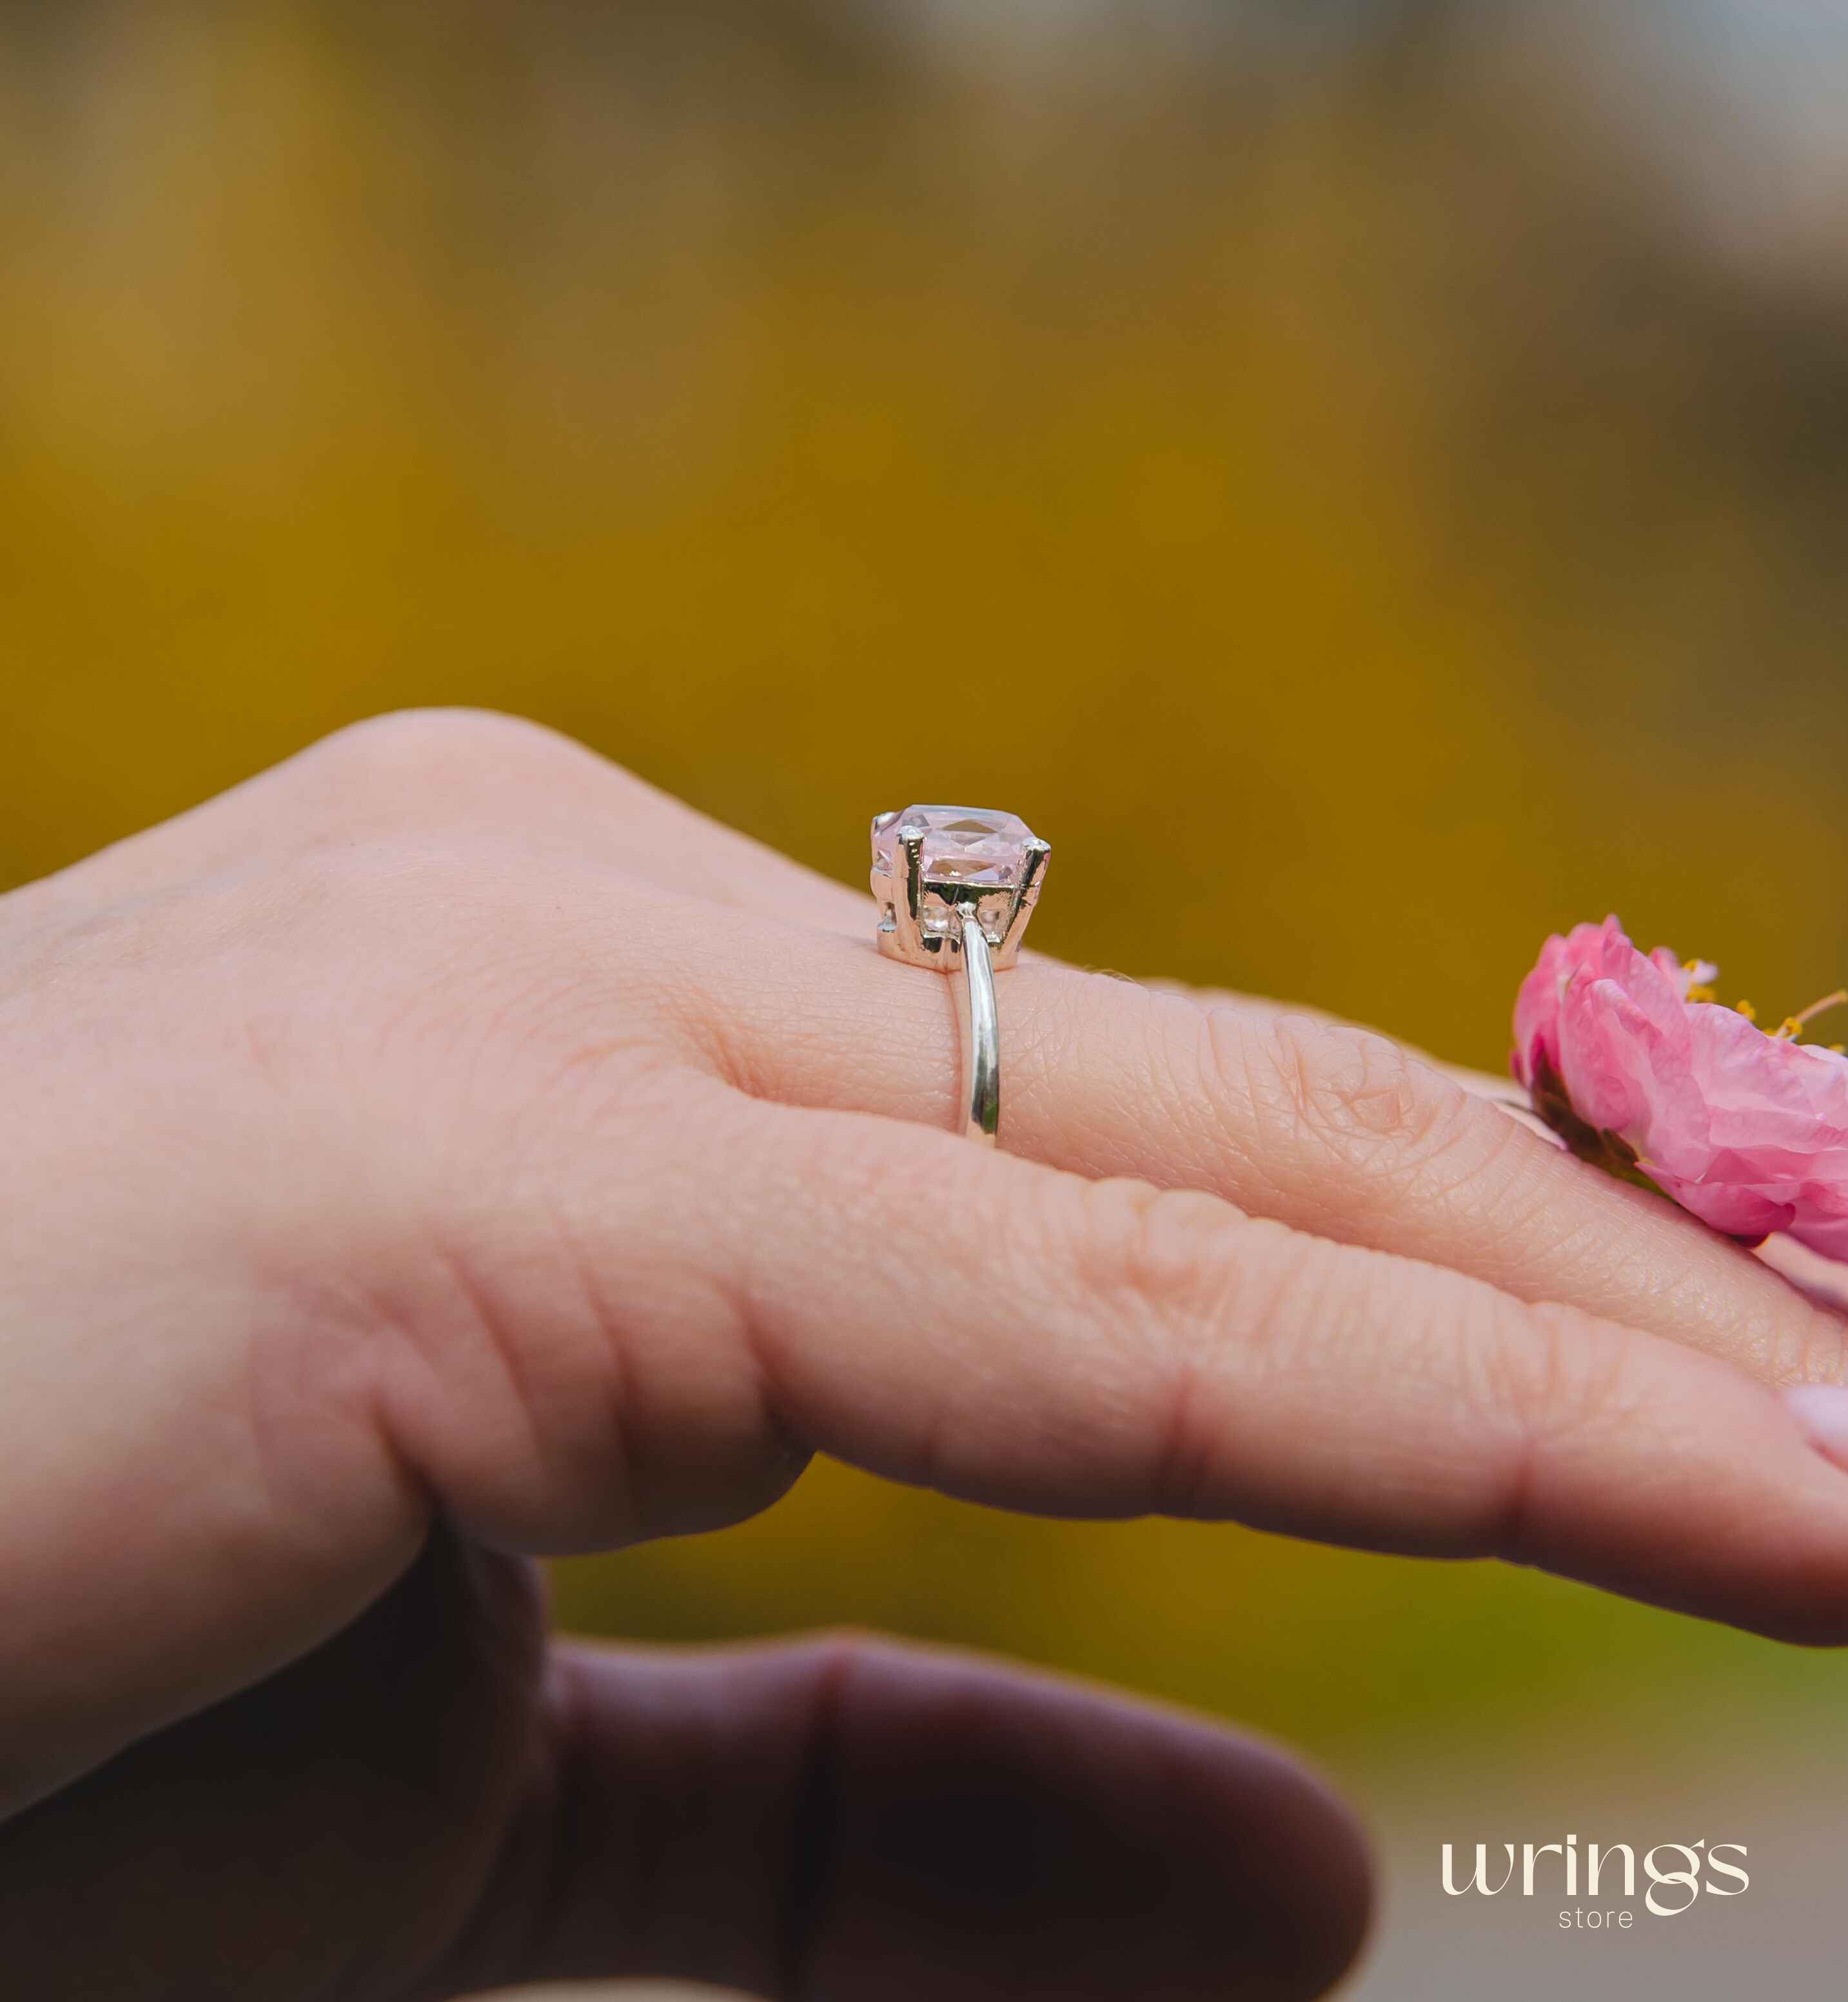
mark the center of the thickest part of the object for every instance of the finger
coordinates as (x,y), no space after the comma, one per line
(1497,1087)
(962,1320)
(844,1817)
(1822,1280)
(1328,1129)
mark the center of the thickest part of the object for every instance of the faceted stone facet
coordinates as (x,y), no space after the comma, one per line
(970,847)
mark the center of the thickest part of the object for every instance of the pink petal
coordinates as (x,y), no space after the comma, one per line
(1747,1132)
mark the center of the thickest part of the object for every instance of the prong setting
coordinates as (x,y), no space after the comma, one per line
(936,869)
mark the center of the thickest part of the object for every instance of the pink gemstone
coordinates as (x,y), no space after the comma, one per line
(963,846)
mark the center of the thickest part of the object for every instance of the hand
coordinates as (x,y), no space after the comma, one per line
(444,1149)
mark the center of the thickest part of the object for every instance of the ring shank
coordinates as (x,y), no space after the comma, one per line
(981,1034)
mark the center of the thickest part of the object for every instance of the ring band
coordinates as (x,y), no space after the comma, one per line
(981,1036)
(955,888)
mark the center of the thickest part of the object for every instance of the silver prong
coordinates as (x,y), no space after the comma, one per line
(908,895)
(879,820)
(1025,897)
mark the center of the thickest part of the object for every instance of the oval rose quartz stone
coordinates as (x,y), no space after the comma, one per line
(971,846)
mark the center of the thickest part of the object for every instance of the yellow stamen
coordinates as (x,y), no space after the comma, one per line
(1789,1027)
(1701,994)
(1793,1024)
(1746,1009)
(1837,999)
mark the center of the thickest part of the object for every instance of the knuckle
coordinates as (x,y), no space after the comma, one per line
(1348,1092)
(1206,1299)
(1580,1378)
(1540,1392)
(1173,1252)
(422,756)
(553,1380)
(1567,1379)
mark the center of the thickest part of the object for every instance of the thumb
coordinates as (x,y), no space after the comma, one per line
(843,1816)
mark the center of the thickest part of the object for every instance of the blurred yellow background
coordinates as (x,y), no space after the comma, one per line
(1367,481)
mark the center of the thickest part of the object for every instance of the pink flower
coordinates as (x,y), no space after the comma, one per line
(1627,1058)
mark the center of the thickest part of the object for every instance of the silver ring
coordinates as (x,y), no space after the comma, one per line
(955,886)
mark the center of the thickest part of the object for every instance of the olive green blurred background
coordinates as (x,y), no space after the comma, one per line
(1367,481)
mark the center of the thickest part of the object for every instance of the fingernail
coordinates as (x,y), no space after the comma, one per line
(1822,1410)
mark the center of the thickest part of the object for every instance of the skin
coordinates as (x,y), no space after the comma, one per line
(445,1149)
